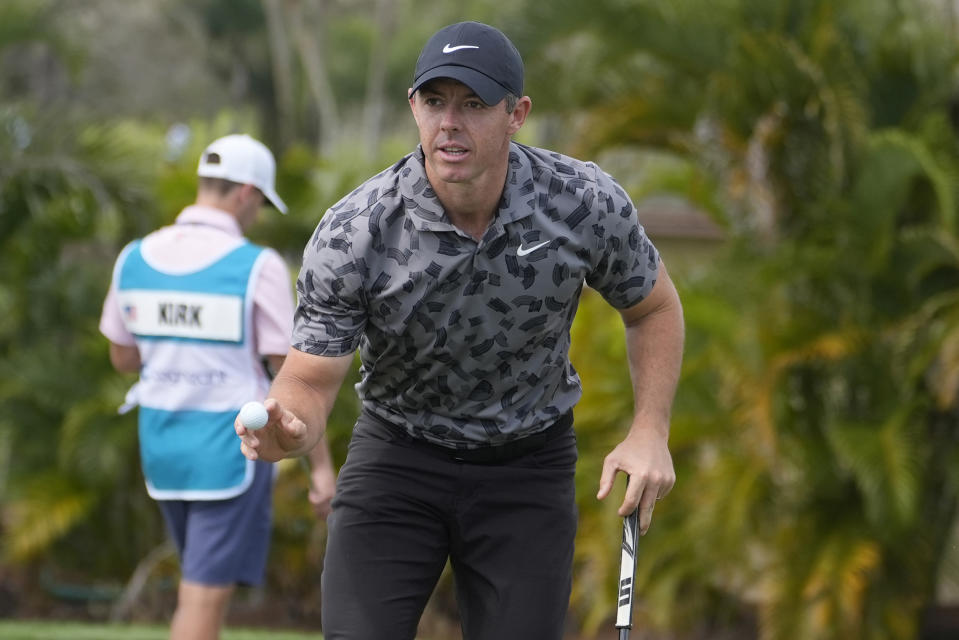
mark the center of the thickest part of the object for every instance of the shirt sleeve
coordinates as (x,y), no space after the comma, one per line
(111,321)
(331,310)
(625,263)
(111,318)
(273,306)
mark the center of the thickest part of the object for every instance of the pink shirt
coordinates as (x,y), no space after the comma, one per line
(200,236)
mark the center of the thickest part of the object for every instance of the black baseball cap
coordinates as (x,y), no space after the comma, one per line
(476,54)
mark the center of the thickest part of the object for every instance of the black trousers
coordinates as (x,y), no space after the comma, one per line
(403,508)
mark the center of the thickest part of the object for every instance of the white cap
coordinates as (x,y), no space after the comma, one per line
(241,159)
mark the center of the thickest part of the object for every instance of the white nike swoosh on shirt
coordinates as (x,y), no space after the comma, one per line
(525,251)
(449,49)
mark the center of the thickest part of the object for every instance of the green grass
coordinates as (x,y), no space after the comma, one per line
(33,630)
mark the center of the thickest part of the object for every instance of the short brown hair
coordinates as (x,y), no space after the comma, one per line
(218,185)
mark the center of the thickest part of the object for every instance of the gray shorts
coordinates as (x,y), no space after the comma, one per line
(224,542)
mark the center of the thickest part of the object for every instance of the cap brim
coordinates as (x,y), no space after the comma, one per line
(489,91)
(274,200)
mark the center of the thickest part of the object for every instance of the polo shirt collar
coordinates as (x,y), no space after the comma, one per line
(427,212)
(210,217)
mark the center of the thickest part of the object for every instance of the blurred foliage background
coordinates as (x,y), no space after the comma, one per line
(815,430)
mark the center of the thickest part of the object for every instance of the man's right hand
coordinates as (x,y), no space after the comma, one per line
(283,435)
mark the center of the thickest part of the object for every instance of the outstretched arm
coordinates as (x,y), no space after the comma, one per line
(654,345)
(299,403)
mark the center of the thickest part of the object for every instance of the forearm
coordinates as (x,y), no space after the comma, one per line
(312,405)
(307,387)
(322,479)
(319,456)
(655,355)
(124,358)
(654,345)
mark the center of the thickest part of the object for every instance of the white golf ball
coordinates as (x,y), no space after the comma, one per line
(253,415)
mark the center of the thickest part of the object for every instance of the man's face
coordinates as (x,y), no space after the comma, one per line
(463,138)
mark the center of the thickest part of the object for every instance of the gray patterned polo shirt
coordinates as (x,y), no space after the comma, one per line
(466,343)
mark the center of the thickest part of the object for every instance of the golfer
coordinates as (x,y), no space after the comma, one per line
(456,273)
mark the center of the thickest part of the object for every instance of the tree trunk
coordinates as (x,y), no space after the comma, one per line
(282,63)
(385,17)
(307,19)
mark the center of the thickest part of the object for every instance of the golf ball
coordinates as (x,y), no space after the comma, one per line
(253,415)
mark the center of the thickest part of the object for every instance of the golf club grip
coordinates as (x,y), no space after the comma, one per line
(627,571)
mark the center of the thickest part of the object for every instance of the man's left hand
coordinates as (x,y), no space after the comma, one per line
(644,456)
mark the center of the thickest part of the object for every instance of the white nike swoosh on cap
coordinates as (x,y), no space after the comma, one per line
(525,251)
(449,49)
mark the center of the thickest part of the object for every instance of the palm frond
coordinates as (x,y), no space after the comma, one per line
(885,463)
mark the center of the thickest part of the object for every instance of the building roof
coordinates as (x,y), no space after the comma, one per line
(664,217)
